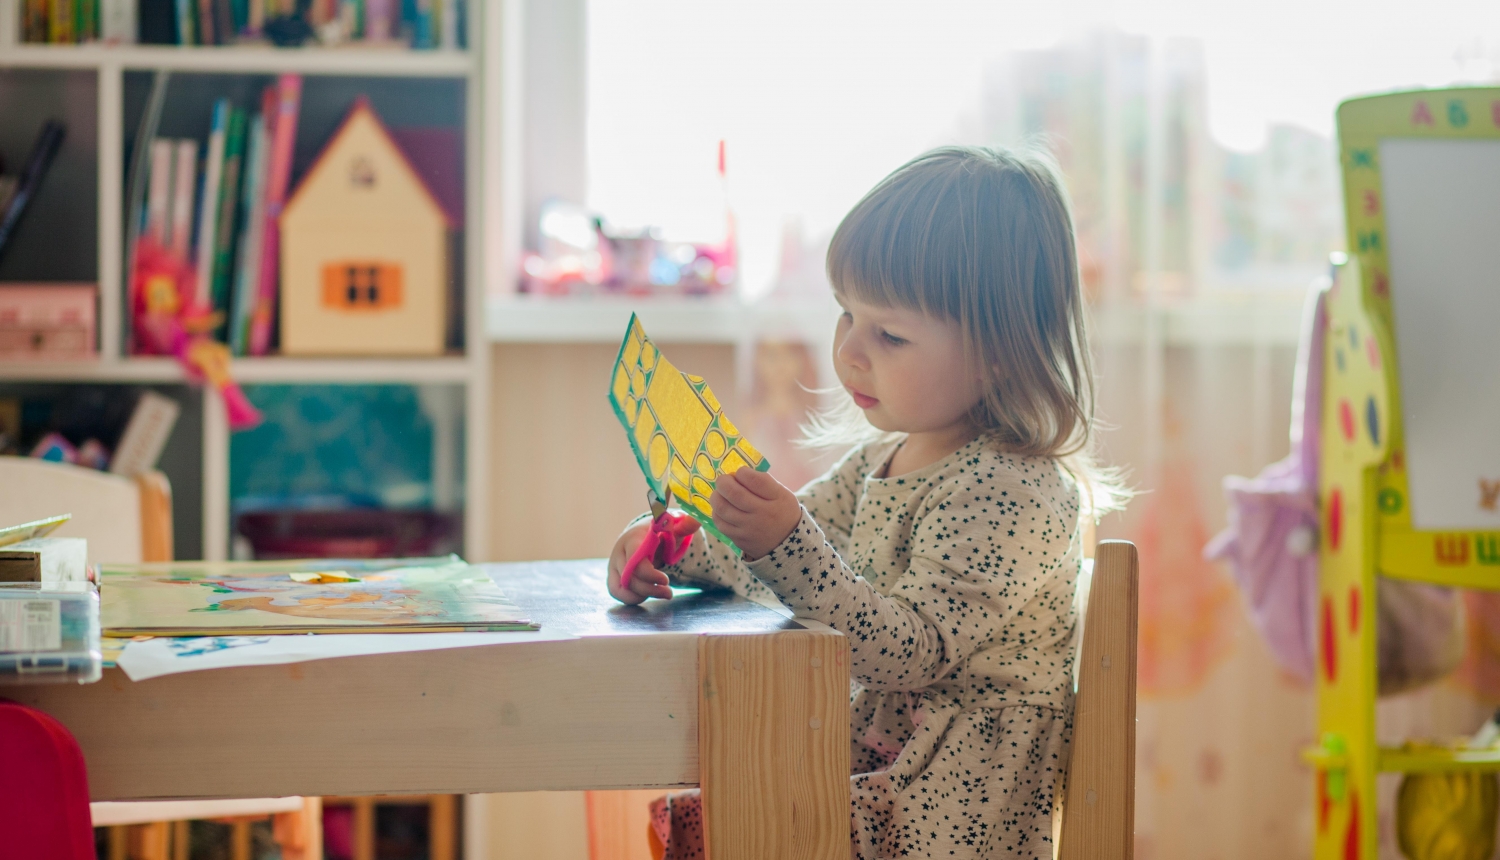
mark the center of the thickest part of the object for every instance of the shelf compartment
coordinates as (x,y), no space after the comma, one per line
(454,369)
(263,59)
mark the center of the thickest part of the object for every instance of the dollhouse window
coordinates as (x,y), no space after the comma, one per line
(362,286)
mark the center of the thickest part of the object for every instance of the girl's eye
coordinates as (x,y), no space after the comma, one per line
(891,339)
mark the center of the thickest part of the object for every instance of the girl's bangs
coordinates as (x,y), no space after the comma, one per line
(889,250)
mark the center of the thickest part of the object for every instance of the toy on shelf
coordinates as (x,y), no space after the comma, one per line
(170,321)
(365,268)
(580,253)
(47,321)
(1410,459)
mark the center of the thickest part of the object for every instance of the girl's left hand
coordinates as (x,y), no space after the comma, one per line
(754,510)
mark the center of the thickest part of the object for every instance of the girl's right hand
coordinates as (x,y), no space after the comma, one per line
(647,581)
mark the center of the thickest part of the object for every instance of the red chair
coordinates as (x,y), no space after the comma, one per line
(44,789)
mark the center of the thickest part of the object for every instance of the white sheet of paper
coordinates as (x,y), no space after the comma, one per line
(1442,215)
(153,658)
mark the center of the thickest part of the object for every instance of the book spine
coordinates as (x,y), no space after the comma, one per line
(253,221)
(60,22)
(224,22)
(234,152)
(184,184)
(255,17)
(117,22)
(208,203)
(159,192)
(447,12)
(278,175)
(42,152)
(207,32)
(187,34)
(378,20)
(424,35)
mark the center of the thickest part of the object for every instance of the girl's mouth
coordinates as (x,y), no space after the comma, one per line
(863,401)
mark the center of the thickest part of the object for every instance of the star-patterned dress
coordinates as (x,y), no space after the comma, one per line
(954,585)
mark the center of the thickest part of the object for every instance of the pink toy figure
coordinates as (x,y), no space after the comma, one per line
(169,321)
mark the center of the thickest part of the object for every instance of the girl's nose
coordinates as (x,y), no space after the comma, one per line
(851,351)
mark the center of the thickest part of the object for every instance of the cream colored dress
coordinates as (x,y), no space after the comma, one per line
(954,585)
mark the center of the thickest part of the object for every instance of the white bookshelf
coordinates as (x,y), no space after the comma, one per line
(469,371)
(355,60)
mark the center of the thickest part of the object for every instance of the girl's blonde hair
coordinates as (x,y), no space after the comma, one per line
(983,237)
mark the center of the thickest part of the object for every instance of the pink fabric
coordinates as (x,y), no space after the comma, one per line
(1271,545)
(677,822)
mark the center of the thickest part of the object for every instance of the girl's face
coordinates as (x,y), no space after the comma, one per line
(905,369)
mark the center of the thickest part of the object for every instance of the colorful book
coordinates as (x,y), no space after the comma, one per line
(278,176)
(229,198)
(424,26)
(187,33)
(208,202)
(60,22)
(117,21)
(184,183)
(42,152)
(296,597)
(252,228)
(159,191)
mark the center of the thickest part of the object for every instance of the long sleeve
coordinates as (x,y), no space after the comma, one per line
(832,498)
(981,548)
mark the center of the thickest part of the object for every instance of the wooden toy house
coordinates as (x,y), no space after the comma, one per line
(364,250)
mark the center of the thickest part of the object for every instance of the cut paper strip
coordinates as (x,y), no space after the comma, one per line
(681,437)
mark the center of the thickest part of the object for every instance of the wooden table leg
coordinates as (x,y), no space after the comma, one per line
(773,745)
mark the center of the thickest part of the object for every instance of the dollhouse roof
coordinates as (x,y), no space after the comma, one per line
(359,110)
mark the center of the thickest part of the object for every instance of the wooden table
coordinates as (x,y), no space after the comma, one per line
(707,689)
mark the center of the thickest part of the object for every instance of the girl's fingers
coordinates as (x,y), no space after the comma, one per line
(761,484)
(730,492)
(647,581)
(722,499)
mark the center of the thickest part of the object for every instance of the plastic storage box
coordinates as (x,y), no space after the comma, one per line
(49,633)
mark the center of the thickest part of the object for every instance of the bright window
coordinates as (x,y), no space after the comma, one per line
(819,100)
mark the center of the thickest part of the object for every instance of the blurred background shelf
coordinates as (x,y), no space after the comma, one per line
(547,319)
(250,59)
(431,414)
(455,369)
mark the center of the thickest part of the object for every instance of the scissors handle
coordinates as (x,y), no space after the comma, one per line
(646,550)
(666,543)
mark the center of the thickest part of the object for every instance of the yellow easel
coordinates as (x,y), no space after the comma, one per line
(1363,488)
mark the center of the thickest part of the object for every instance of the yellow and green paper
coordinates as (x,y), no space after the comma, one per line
(681,437)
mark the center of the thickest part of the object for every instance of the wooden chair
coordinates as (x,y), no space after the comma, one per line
(1098,813)
(127,521)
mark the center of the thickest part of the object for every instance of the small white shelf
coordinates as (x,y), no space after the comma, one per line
(1249,319)
(453,369)
(262,59)
(602,319)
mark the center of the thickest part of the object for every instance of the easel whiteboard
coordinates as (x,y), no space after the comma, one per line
(1442,214)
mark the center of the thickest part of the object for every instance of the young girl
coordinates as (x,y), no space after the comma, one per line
(945,544)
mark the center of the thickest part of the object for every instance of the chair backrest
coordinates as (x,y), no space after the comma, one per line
(1098,817)
(125,520)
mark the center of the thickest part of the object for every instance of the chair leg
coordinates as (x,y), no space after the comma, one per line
(182,840)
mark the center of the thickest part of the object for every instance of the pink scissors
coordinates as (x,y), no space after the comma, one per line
(667,541)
